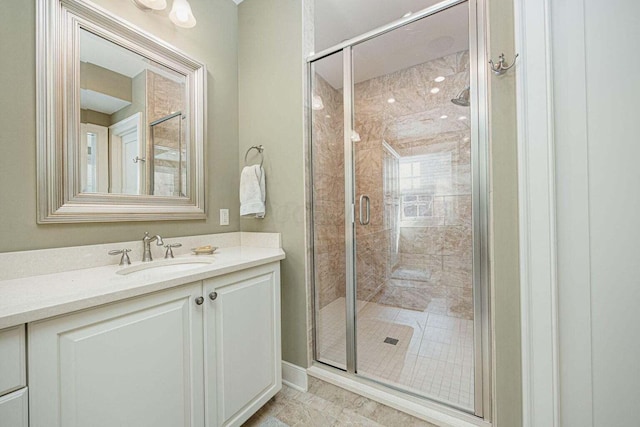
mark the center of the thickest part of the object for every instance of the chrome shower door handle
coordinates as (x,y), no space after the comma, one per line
(364,199)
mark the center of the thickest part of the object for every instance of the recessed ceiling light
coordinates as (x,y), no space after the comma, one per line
(435,90)
(391,100)
(466,139)
(316,102)
(444,116)
(462,118)
(406,15)
(439,79)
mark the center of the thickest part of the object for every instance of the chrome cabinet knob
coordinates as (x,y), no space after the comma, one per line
(213,296)
(199,300)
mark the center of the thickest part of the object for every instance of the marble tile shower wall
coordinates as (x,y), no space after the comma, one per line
(419,122)
(163,96)
(328,193)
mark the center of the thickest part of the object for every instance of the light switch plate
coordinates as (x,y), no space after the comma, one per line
(224,216)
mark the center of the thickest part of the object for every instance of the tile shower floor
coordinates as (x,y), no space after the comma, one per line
(433,356)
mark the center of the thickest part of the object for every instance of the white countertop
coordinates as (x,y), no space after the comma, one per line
(34,298)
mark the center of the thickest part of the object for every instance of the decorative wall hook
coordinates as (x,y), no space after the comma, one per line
(501,67)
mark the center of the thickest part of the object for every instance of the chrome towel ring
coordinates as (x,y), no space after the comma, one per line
(258,148)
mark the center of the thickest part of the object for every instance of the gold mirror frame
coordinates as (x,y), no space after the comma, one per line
(58,118)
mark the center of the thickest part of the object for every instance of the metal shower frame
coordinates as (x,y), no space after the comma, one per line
(480,193)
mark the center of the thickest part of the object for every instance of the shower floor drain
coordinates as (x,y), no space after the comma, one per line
(392,341)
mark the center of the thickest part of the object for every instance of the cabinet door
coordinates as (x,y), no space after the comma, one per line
(14,409)
(242,340)
(136,363)
(13,359)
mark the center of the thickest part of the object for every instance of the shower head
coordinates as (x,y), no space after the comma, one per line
(463,98)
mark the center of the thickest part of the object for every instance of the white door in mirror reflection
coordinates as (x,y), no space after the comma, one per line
(94,159)
(127,147)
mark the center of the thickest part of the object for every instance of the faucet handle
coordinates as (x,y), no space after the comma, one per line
(124,260)
(170,246)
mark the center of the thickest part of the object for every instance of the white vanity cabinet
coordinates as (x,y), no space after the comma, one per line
(138,362)
(201,354)
(13,378)
(243,343)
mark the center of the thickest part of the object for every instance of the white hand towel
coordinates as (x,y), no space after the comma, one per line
(253,192)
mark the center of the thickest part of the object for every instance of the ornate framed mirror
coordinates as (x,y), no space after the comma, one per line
(121,120)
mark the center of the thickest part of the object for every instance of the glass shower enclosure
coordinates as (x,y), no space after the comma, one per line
(398,169)
(169,155)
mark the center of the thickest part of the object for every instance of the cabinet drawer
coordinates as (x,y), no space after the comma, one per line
(14,409)
(13,356)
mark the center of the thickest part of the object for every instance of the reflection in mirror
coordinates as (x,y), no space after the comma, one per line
(169,156)
(131,109)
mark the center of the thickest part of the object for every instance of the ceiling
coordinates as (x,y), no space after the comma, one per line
(430,38)
(338,20)
(98,51)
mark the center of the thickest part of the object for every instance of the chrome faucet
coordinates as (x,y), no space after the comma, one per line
(146,243)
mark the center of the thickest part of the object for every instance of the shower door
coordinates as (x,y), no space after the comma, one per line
(328,174)
(398,212)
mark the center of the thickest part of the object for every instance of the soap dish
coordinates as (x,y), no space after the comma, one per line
(204,250)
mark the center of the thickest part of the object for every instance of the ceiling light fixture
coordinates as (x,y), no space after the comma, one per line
(462,118)
(439,79)
(181,14)
(444,116)
(391,100)
(435,90)
(151,4)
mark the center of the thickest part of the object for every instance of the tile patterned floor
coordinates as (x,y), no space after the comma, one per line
(433,356)
(326,405)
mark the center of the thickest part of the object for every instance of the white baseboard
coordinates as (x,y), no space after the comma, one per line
(294,376)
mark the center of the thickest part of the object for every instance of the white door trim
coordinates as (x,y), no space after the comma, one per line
(537,214)
(133,123)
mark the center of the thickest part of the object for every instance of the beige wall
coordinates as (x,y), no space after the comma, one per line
(95,117)
(213,41)
(138,102)
(504,212)
(103,80)
(270,95)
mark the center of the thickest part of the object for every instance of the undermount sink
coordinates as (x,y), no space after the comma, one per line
(166,266)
